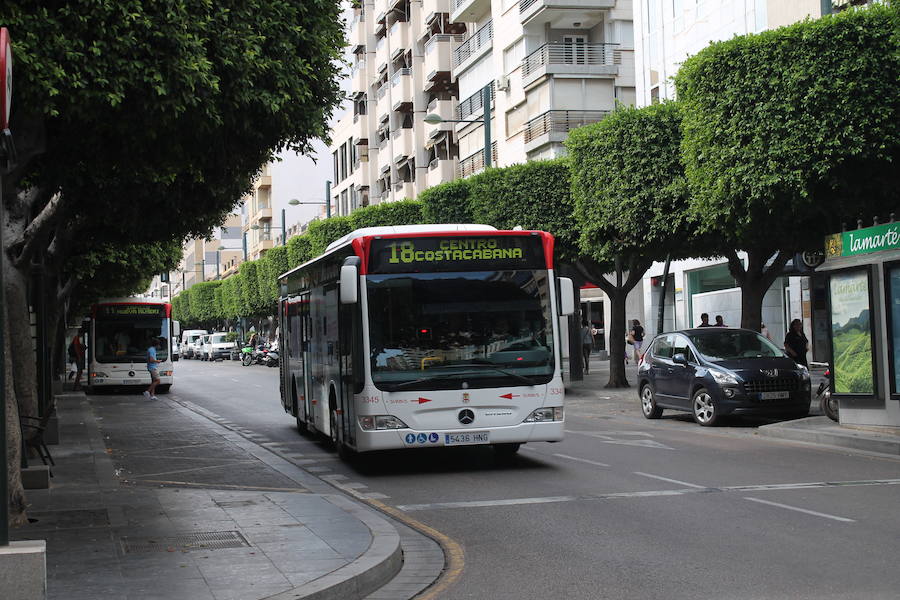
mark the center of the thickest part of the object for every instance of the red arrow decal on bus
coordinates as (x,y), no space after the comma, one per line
(424,400)
(510,396)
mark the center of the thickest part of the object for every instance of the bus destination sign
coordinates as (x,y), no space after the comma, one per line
(488,253)
(131,310)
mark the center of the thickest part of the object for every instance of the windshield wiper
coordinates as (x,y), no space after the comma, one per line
(412,382)
(484,365)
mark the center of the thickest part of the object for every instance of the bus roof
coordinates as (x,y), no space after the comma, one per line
(405,229)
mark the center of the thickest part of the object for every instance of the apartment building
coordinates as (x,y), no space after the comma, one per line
(549,66)
(258,225)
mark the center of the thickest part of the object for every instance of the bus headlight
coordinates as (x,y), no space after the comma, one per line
(373,422)
(541,415)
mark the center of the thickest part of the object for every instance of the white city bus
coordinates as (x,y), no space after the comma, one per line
(119,335)
(426,335)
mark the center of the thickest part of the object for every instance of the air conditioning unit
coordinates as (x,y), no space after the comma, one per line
(503,83)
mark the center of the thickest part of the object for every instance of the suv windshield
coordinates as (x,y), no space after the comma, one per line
(722,345)
(438,330)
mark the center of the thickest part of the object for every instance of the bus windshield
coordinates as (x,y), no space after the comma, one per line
(126,339)
(438,330)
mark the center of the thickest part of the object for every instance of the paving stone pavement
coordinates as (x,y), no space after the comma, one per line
(150,500)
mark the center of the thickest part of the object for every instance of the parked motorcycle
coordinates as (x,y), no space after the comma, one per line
(248,355)
(270,358)
(827,402)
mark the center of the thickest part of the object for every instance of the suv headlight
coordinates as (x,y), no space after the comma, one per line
(541,415)
(723,378)
(373,422)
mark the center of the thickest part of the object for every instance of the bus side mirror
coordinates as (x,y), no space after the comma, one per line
(349,284)
(566,297)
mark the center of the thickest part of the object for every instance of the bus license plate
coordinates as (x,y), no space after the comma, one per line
(774,395)
(467,439)
(131,381)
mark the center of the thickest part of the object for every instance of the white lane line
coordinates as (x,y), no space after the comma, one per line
(675,481)
(235,380)
(582,460)
(802,510)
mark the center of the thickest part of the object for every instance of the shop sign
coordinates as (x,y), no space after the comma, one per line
(863,241)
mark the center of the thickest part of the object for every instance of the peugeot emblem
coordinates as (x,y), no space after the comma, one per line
(466,416)
(769,372)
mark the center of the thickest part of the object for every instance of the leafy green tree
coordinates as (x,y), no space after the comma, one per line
(533,195)
(631,206)
(252,304)
(405,212)
(788,134)
(202,298)
(232,297)
(173,106)
(447,202)
(273,264)
(322,233)
(299,250)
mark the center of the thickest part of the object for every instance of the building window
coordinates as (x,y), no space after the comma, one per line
(893,310)
(334,161)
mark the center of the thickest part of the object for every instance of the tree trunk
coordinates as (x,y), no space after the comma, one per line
(661,313)
(617,375)
(13,442)
(617,292)
(755,280)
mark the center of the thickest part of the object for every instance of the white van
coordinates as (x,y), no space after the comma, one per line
(188,337)
(218,347)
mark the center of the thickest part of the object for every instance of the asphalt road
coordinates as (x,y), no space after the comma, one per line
(623,508)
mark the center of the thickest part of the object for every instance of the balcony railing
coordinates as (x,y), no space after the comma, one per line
(478,40)
(442,37)
(568,54)
(381,91)
(395,78)
(475,162)
(561,121)
(472,104)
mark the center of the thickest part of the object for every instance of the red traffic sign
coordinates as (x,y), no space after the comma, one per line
(6,61)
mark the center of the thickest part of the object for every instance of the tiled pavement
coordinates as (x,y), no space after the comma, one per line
(151,500)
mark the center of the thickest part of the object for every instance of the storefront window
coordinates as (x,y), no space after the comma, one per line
(851,333)
(894,308)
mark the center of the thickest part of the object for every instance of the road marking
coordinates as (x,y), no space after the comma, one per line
(582,460)
(675,481)
(802,510)
(607,438)
(644,494)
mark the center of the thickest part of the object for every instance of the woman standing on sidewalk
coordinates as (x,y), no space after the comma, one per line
(587,342)
(637,337)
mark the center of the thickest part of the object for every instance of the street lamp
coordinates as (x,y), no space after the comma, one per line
(435,119)
(295,202)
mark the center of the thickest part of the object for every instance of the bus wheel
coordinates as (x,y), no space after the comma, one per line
(506,450)
(163,389)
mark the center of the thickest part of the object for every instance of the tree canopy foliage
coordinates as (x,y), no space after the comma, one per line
(788,134)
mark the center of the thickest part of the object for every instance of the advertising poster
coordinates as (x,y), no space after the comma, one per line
(894,309)
(851,333)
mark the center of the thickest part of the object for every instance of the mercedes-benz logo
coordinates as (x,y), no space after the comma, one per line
(466,416)
(131,373)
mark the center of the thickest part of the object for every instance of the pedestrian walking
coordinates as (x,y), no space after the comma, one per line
(153,368)
(587,343)
(76,355)
(637,339)
(795,343)
(704,321)
(720,322)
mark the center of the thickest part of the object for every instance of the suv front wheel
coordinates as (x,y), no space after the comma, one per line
(704,409)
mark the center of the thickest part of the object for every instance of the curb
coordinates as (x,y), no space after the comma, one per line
(378,565)
(802,430)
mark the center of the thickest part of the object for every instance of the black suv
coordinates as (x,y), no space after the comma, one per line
(716,371)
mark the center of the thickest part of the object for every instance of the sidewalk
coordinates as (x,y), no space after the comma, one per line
(591,394)
(151,500)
